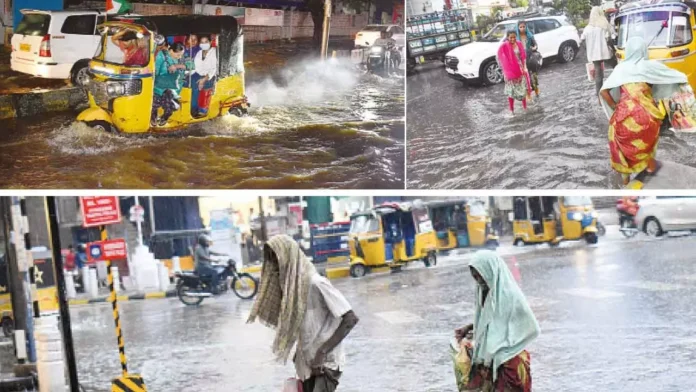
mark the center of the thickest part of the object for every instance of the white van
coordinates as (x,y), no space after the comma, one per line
(56,44)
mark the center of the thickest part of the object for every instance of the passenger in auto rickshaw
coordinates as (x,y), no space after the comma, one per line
(133,46)
(169,79)
(203,79)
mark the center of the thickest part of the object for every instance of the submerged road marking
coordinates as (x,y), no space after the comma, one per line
(398,317)
(540,302)
(592,293)
(653,286)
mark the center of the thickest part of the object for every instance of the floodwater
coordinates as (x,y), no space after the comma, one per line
(617,316)
(462,137)
(312,125)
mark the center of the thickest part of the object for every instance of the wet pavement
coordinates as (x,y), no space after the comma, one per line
(462,137)
(617,316)
(311,125)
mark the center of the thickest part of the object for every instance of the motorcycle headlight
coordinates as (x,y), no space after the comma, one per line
(577,216)
(116,89)
(376,49)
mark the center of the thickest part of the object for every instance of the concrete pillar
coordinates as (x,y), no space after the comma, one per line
(117,282)
(93,283)
(176,264)
(70,290)
(49,350)
(146,275)
(163,274)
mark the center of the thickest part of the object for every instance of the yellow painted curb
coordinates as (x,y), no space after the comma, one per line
(254,269)
(155,295)
(122,298)
(381,269)
(341,272)
(79,301)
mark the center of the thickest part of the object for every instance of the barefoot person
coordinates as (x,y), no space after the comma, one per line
(305,310)
(503,327)
(633,96)
(512,59)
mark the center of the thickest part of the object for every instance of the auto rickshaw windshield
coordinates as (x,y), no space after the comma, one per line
(124,47)
(477,209)
(577,201)
(657,28)
(364,224)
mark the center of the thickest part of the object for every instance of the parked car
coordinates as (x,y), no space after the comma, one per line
(369,34)
(56,44)
(659,215)
(555,36)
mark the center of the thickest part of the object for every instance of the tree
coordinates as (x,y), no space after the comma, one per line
(316,9)
(578,9)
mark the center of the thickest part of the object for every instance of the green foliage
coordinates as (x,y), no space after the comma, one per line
(578,9)
(484,23)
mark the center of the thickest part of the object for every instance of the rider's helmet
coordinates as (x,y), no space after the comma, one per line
(204,240)
(81,248)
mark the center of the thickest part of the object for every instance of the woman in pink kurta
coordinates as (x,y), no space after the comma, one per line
(513,59)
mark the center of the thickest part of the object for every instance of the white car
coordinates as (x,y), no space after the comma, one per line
(555,37)
(369,34)
(56,44)
(661,214)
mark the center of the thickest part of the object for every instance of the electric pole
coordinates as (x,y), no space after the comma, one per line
(262,221)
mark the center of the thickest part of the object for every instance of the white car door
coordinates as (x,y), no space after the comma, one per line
(75,40)
(686,213)
(546,35)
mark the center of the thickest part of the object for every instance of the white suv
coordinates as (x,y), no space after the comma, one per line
(56,44)
(369,34)
(658,215)
(555,36)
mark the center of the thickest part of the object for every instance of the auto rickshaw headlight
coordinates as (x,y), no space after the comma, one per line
(594,214)
(115,89)
(577,216)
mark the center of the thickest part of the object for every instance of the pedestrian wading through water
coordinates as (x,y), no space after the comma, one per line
(307,312)
(512,58)
(503,327)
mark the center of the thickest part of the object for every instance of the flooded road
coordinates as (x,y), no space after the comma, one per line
(617,316)
(312,125)
(462,137)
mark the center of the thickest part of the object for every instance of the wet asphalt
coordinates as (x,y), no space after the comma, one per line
(617,316)
(462,137)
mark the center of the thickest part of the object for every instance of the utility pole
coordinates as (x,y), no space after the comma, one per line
(16,282)
(139,223)
(53,232)
(327,29)
(152,216)
(262,220)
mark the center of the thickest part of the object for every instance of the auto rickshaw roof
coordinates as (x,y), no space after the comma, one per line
(444,203)
(386,208)
(654,4)
(174,25)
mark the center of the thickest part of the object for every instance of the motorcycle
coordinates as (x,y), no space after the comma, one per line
(191,290)
(382,59)
(627,212)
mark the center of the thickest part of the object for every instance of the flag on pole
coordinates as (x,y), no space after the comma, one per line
(118,6)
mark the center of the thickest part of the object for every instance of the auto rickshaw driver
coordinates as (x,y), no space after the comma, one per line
(133,46)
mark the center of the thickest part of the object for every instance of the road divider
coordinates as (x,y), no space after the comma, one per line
(37,102)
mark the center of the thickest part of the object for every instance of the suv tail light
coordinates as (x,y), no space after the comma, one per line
(45,48)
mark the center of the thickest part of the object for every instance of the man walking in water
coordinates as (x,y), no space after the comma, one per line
(304,308)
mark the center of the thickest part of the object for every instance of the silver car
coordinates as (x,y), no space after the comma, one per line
(659,215)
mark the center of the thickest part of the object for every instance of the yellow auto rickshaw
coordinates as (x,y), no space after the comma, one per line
(392,234)
(554,219)
(461,223)
(666,26)
(123,77)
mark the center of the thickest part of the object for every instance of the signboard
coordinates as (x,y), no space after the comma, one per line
(137,213)
(263,17)
(107,250)
(237,12)
(100,210)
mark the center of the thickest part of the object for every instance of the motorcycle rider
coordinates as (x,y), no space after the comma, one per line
(384,39)
(204,268)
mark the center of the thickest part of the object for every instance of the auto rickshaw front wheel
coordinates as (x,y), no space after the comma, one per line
(591,238)
(430,260)
(100,125)
(7,326)
(358,270)
(238,111)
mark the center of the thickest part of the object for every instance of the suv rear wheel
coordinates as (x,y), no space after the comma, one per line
(79,75)
(567,52)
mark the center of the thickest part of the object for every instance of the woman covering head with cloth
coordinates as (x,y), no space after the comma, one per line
(533,57)
(512,58)
(633,98)
(503,327)
(305,310)
(596,34)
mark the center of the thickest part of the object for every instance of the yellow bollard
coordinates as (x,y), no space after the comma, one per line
(125,383)
(333,54)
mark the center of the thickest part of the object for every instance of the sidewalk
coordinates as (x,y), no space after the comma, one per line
(123,296)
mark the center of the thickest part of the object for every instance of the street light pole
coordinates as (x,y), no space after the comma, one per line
(326,30)
(138,224)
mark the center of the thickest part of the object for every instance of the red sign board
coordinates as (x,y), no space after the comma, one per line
(100,210)
(107,250)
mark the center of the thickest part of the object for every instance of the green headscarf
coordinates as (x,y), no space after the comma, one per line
(505,324)
(636,68)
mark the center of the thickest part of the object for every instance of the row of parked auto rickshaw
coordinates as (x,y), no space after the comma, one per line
(394,234)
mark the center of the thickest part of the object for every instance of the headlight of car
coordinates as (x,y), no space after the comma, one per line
(577,216)
(376,49)
(115,89)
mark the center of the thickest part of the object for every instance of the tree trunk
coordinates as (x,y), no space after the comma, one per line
(318,19)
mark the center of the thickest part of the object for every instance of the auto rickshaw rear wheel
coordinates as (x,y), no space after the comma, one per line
(100,125)
(358,270)
(519,242)
(430,260)
(591,238)
(7,326)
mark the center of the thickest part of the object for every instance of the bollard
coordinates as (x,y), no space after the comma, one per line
(93,283)
(85,279)
(70,285)
(117,281)
(176,264)
(49,349)
(163,274)
(333,54)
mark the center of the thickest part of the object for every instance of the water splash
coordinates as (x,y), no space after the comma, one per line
(77,138)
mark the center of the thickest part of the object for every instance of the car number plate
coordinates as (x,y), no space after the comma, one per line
(25,47)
